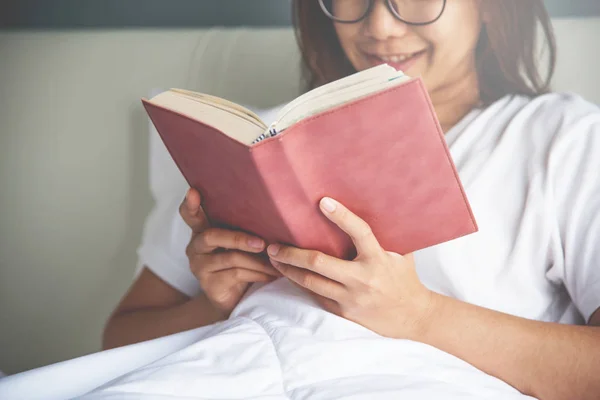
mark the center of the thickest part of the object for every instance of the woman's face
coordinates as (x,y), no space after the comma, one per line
(440,53)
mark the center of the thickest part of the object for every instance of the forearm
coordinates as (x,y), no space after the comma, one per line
(140,325)
(544,360)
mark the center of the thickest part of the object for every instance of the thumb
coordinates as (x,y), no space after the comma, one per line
(192,213)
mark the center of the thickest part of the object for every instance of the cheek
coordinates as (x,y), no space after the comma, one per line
(457,32)
(348,35)
(454,43)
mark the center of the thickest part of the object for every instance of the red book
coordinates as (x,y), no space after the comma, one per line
(371,141)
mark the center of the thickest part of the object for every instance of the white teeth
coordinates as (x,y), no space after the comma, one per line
(396,59)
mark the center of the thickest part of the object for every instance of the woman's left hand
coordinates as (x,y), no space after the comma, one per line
(378,289)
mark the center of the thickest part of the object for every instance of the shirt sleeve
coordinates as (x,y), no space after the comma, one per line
(574,190)
(165,235)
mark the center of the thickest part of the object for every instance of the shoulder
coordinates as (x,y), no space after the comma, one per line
(557,138)
(552,102)
(547,115)
(562,123)
(550,139)
(537,126)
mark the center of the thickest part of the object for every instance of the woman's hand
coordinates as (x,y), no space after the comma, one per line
(224,262)
(378,289)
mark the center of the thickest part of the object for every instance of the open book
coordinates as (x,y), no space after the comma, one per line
(247,127)
(370,140)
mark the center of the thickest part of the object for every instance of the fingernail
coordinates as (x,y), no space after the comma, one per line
(273,249)
(328,204)
(255,243)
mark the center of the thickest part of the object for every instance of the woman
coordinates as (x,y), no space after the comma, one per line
(514,299)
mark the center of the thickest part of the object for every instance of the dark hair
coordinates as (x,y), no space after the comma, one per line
(506,54)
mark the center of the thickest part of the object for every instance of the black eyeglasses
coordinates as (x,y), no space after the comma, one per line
(411,12)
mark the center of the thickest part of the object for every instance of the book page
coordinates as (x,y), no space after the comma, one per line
(333,99)
(245,126)
(244,130)
(226,105)
(374,73)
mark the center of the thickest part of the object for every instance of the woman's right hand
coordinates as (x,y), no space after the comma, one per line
(225,262)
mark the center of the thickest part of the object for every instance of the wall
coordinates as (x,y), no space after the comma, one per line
(187,13)
(73,166)
(73,160)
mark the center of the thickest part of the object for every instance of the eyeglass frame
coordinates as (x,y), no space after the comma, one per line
(390,7)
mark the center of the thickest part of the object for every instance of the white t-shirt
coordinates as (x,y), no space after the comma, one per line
(531,171)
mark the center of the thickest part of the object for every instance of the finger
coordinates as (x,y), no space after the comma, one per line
(330,267)
(214,238)
(211,263)
(241,275)
(192,213)
(328,304)
(359,231)
(309,280)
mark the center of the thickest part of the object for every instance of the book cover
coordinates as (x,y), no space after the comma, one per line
(384,156)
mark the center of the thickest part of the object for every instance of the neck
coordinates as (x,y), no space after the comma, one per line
(455,100)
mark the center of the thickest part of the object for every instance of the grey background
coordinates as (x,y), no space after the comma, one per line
(74,14)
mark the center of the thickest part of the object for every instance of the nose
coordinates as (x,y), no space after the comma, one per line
(382,24)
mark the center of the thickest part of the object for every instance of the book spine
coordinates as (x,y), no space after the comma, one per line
(296,203)
(269,133)
(282,185)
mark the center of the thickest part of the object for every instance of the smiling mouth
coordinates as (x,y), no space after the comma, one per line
(397,58)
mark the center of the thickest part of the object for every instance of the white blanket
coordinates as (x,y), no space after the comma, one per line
(278,344)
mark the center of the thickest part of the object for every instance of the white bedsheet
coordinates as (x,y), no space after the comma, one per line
(278,345)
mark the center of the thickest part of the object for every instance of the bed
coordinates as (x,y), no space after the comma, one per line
(278,344)
(272,346)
